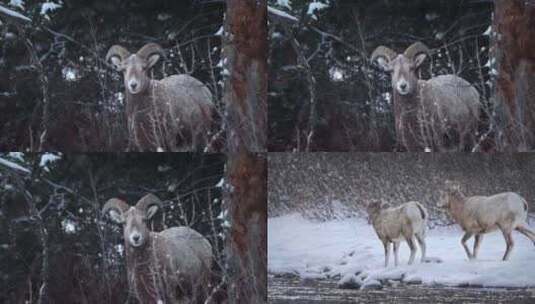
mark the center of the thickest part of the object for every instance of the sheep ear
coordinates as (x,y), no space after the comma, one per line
(151,211)
(151,61)
(116,216)
(419,59)
(115,208)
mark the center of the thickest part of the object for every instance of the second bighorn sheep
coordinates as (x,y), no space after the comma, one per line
(478,215)
(174,113)
(407,221)
(426,111)
(171,266)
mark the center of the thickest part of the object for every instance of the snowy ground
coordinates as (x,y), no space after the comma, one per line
(349,249)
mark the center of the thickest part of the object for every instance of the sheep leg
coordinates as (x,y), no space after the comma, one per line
(468,140)
(194,141)
(509,243)
(396,248)
(477,243)
(412,246)
(462,136)
(387,252)
(525,231)
(465,238)
(421,242)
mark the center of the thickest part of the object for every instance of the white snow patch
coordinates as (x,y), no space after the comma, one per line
(70,73)
(490,62)
(223,215)
(284,3)
(16,155)
(219,32)
(119,96)
(17,3)
(281,14)
(14,14)
(13,165)
(48,158)
(316,5)
(388,97)
(488,31)
(336,74)
(120,249)
(276,35)
(69,226)
(350,247)
(50,7)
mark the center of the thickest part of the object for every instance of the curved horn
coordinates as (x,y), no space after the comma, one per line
(383,51)
(117,54)
(383,55)
(416,49)
(115,208)
(151,52)
(117,51)
(149,204)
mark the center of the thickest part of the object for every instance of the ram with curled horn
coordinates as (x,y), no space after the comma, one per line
(174,113)
(427,112)
(171,266)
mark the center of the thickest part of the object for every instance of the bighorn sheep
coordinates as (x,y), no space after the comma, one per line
(407,221)
(171,266)
(426,111)
(162,114)
(478,215)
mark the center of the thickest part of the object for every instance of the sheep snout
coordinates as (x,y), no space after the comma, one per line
(135,239)
(402,86)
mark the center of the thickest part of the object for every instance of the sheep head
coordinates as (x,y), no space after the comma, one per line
(373,209)
(134,219)
(135,67)
(403,67)
(452,192)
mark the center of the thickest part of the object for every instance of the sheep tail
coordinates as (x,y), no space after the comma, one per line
(423,213)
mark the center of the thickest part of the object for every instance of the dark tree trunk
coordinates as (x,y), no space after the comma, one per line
(246,52)
(247,243)
(514,22)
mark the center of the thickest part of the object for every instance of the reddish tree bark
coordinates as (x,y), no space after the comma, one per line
(245,95)
(247,244)
(514,22)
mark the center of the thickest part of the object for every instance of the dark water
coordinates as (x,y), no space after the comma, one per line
(293,290)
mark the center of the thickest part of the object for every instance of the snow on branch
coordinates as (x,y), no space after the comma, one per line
(281,15)
(13,165)
(13,14)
